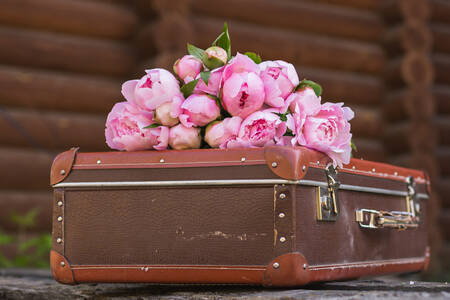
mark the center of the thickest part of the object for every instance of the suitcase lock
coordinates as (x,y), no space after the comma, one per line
(327,198)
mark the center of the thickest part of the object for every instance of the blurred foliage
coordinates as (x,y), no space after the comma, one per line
(31,252)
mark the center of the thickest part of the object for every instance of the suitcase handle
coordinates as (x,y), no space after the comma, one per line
(370,218)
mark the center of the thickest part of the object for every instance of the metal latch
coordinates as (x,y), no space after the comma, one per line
(370,218)
(327,198)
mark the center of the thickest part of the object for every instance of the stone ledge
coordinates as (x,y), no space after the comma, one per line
(38,284)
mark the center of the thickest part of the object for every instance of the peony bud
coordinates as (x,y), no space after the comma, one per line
(181,137)
(187,68)
(162,115)
(219,133)
(214,57)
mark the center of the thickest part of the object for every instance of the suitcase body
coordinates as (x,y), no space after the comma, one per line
(278,216)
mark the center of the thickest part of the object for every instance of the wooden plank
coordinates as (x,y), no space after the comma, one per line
(440,10)
(21,203)
(441,64)
(371,5)
(414,69)
(29,88)
(369,149)
(71,16)
(300,49)
(441,95)
(26,169)
(442,185)
(396,10)
(443,157)
(408,136)
(442,125)
(67,53)
(367,122)
(419,160)
(415,103)
(334,20)
(408,36)
(444,222)
(52,130)
(441,37)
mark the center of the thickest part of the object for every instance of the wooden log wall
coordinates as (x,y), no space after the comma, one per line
(61,67)
(414,131)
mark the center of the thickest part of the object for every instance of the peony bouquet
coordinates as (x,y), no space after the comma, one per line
(221,101)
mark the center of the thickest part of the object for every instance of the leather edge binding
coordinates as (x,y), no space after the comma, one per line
(61,270)
(426,263)
(287,270)
(287,162)
(62,165)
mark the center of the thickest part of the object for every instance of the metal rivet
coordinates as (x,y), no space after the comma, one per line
(354,168)
(373,170)
(281,215)
(282,196)
(276,265)
(99,162)
(274,164)
(59,219)
(63,264)
(318,162)
(161,160)
(60,203)
(59,240)
(62,172)
(304,266)
(282,239)
(395,174)
(304,168)
(243,159)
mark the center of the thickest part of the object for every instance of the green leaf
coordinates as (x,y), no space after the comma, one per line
(309,83)
(223,40)
(27,220)
(288,132)
(195,51)
(188,88)
(5,239)
(205,76)
(255,57)
(354,148)
(154,125)
(283,117)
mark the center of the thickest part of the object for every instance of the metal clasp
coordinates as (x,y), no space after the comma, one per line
(327,198)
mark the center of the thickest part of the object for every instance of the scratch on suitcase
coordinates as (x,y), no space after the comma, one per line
(220,234)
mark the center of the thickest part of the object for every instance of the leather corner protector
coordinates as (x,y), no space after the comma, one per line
(60,267)
(287,270)
(62,165)
(287,162)
(426,263)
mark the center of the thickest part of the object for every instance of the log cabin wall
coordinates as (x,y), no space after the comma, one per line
(62,64)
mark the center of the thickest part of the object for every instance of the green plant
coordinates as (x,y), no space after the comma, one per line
(30,251)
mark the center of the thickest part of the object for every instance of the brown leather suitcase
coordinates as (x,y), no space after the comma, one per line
(278,216)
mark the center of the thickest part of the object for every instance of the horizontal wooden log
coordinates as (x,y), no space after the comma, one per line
(441,94)
(369,149)
(441,65)
(419,160)
(71,16)
(345,86)
(408,36)
(409,103)
(178,28)
(440,10)
(367,122)
(443,157)
(442,186)
(441,37)
(301,49)
(161,7)
(67,53)
(442,125)
(444,222)
(51,130)
(414,69)
(297,15)
(20,203)
(25,169)
(411,136)
(50,90)
(372,5)
(396,10)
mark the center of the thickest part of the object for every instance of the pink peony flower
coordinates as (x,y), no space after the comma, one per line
(187,68)
(304,101)
(240,64)
(181,137)
(259,129)
(125,129)
(213,86)
(199,110)
(164,115)
(157,87)
(243,94)
(328,131)
(219,133)
(280,79)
